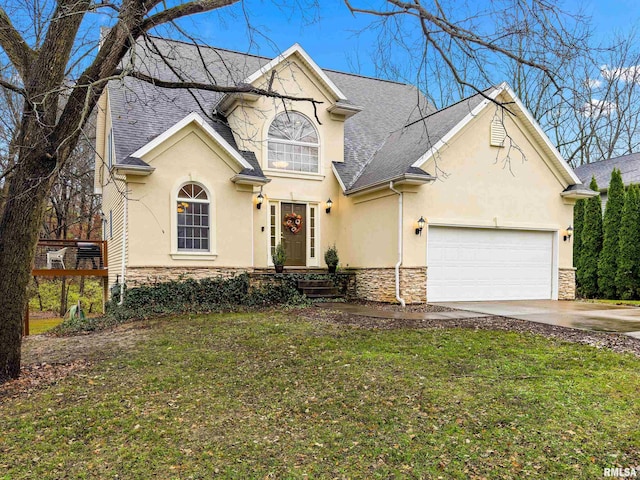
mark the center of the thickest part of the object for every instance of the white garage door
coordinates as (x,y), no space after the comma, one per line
(487,264)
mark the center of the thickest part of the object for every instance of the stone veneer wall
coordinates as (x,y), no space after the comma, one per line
(566,284)
(379,284)
(137,276)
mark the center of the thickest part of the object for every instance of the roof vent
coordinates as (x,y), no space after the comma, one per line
(498,133)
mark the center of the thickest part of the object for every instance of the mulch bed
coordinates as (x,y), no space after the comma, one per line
(614,341)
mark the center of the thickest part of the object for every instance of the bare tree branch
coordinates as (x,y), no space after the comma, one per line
(14,45)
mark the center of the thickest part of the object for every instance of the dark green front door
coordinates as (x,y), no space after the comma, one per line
(294,233)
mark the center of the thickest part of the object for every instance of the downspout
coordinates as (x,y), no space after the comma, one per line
(124,243)
(400,223)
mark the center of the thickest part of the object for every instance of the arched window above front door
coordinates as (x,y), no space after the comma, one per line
(293,144)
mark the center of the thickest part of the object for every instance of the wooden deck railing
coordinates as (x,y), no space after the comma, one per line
(62,258)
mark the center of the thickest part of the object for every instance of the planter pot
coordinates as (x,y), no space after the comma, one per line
(332,268)
(279,268)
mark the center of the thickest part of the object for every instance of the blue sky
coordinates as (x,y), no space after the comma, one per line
(337,39)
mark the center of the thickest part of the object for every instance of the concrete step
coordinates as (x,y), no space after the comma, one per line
(314,283)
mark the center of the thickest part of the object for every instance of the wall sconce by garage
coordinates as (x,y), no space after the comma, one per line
(567,233)
(259,200)
(329,205)
(420,226)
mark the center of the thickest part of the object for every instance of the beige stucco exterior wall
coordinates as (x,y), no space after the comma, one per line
(369,230)
(480,191)
(250,123)
(189,156)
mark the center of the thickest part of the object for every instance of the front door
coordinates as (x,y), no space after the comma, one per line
(294,233)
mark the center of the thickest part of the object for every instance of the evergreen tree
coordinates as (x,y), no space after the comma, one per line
(629,253)
(591,244)
(608,262)
(578,221)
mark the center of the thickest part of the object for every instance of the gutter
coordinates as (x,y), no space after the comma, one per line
(410,178)
(124,244)
(400,223)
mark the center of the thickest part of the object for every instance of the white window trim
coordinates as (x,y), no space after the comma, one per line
(193,254)
(281,172)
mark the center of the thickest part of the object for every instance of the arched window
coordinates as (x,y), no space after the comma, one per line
(293,143)
(193,218)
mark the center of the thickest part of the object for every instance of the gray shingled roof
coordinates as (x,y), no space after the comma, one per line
(629,166)
(404,146)
(141,111)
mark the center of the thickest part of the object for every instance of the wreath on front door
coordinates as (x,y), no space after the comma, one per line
(293,223)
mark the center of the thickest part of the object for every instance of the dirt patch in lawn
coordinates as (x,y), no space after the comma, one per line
(47,359)
(616,342)
(394,307)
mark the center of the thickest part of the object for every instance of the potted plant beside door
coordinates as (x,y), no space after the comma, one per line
(279,257)
(331,258)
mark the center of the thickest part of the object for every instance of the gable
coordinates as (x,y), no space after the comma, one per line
(297,54)
(194,119)
(519,117)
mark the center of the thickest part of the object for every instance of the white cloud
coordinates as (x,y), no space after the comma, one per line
(598,108)
(626,74)
(593,83)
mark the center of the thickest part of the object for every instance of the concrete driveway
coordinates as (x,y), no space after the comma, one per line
(586,316)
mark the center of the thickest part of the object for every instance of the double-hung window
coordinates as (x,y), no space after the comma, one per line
(193,209)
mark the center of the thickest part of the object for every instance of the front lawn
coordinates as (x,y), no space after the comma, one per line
(273,395)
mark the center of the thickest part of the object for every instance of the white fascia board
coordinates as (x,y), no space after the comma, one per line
(561,161)
(451,133)
(132,170)
(193,117)
(249,180)
(337,175)
(579,194)
(296,48)
(405,178)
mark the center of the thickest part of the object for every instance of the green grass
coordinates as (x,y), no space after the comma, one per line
(271,396)
(634,303)
(42,325)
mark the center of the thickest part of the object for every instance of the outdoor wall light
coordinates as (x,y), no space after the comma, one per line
(420,226)
(329,205)
(259,200)
(567,233)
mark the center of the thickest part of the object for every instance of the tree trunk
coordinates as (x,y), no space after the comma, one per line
(19,226)
(63,296)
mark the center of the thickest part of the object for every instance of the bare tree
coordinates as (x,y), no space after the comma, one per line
(452,49)
(61,73)
(60,77)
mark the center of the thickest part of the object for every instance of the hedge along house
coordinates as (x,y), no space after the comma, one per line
(198,184)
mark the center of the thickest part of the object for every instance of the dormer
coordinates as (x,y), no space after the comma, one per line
(273,76)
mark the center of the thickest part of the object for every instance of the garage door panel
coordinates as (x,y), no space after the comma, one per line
(484,264)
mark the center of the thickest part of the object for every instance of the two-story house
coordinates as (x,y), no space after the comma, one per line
(471,202)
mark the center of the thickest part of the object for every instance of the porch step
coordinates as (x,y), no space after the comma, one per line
(319,289)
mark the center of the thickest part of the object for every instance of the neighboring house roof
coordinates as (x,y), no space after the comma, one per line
(629,166)
(394,132)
